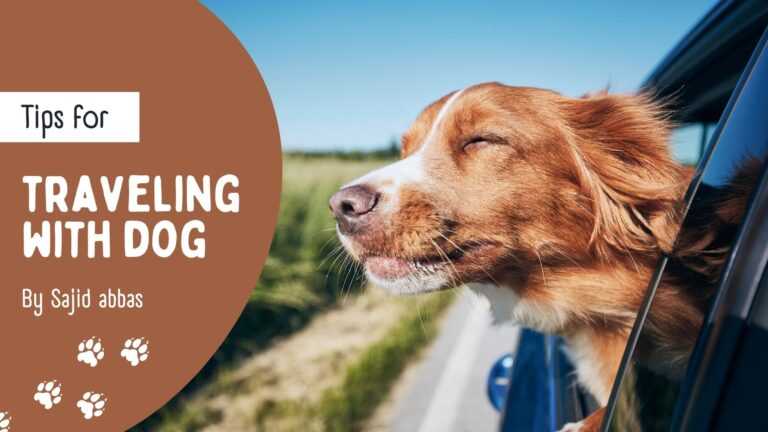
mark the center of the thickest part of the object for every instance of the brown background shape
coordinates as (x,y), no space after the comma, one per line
(204,110)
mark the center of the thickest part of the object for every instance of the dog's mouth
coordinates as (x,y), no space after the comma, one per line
(391,268)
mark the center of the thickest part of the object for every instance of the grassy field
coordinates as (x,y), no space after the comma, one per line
(307,292)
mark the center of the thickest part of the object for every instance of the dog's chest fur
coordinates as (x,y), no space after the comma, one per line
(594,356)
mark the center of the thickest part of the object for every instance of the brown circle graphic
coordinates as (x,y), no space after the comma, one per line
(106,363)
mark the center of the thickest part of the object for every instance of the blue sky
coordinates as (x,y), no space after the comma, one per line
(354,74)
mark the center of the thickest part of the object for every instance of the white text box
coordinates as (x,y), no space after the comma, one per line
(60,117)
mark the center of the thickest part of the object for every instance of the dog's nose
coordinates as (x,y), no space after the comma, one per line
(350,203)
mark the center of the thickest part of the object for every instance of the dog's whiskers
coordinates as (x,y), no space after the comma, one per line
(541,264)
(444,257)
(336,249)
(340,253)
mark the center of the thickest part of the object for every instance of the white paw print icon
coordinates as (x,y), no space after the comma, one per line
(48,394)
(5,422)
(90,351)
(136,351)
(92,404)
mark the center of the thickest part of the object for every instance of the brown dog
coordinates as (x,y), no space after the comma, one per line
(554,208)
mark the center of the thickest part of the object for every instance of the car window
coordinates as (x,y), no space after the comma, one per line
(689,141)
(651,377)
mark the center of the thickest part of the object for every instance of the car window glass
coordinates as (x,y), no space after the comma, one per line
(688,142)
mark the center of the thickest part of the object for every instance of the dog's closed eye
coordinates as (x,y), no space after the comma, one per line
(480,141)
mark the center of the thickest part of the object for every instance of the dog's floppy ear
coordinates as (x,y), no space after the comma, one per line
(620,146)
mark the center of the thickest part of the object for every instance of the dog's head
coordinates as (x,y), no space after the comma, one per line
(497,180)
